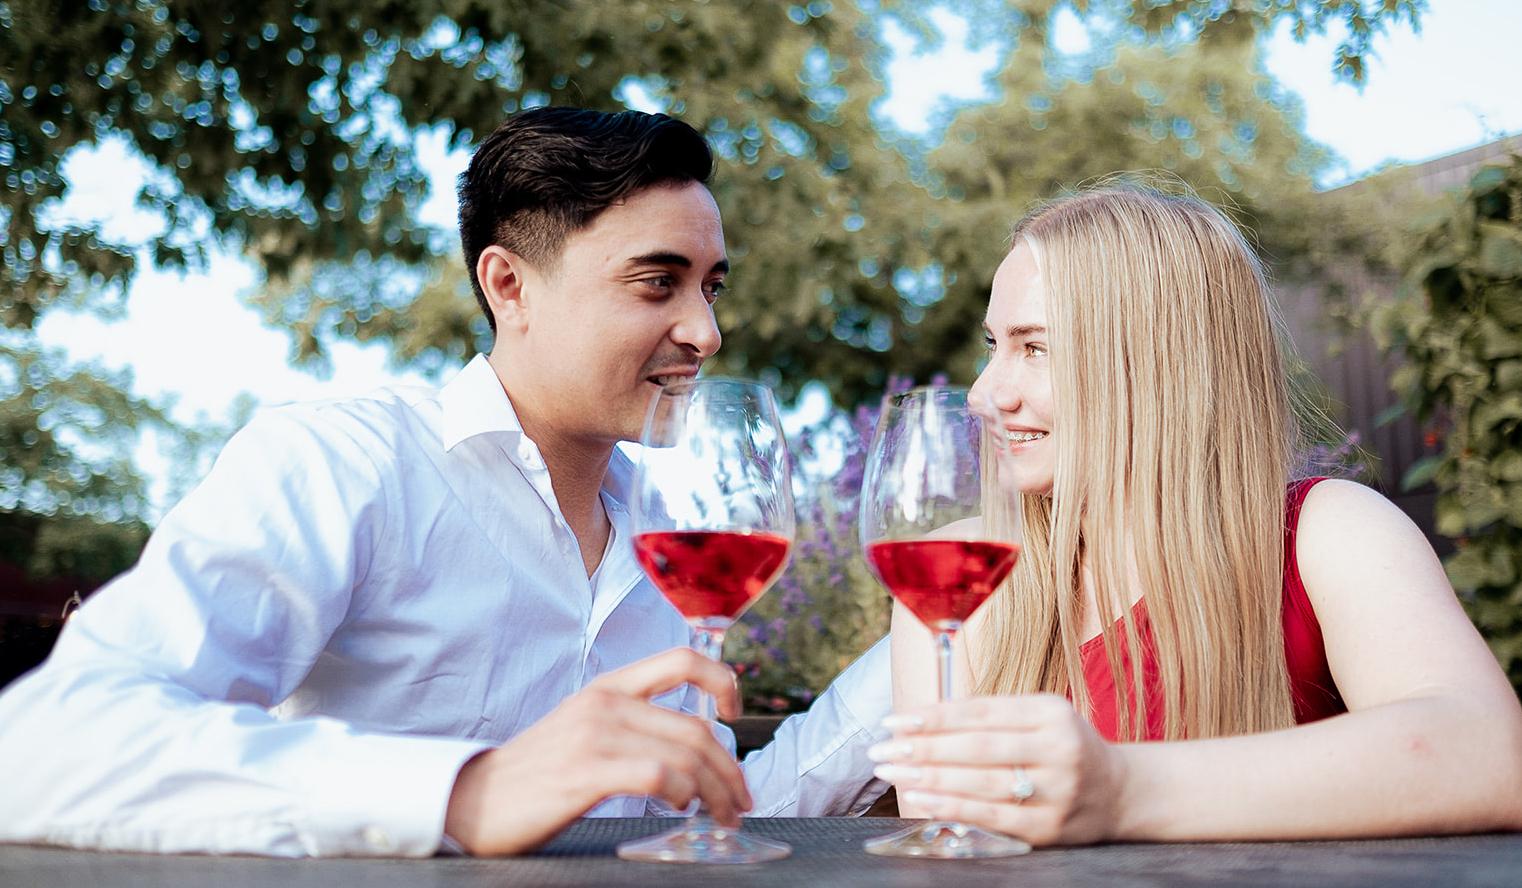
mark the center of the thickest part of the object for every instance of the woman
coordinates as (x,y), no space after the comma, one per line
(1301,657)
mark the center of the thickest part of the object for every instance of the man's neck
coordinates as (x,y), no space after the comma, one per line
(576,466)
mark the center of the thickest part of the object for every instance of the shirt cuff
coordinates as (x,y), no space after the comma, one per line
(385,795)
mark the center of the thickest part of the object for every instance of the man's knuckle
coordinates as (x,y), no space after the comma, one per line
(688,761)
(651,776)
(694,732)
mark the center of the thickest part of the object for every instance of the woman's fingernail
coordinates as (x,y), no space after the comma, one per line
(903,722)
(897,774)
(887,752)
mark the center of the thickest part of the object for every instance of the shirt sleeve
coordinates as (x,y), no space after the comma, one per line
(148,727)
(816,764)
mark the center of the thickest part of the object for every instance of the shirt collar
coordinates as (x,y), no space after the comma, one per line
(475,403)
(619,481)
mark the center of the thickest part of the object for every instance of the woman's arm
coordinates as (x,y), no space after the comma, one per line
(1432,742)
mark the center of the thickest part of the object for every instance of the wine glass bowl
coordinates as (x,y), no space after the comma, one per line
(711,575)
(941,582)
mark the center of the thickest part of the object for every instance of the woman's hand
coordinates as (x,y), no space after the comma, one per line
(972,760)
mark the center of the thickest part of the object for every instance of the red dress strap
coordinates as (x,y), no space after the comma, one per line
(1310,678)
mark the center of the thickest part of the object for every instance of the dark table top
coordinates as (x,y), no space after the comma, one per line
(826,852)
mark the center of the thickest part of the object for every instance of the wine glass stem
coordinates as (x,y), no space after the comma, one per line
(710,643)
(944,638)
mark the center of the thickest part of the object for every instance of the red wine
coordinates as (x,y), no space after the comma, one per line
(711,573)
(942,581)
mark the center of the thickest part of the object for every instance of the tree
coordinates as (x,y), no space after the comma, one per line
(1458,323)
(288,131)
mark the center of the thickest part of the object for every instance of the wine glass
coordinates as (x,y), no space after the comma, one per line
(713,525)
(927,537)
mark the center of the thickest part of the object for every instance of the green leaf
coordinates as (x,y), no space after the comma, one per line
(1422,471)
(1390,414)
(1492,412)
(1466,569)
(1487,178)
(1504,303)
(1500,253)
(1449,517)
(1500,567)
(1507,375)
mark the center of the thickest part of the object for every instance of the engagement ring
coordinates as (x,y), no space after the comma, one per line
(1021,787)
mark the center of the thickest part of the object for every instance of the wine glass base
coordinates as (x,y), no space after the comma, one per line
(707,843)
(945,840)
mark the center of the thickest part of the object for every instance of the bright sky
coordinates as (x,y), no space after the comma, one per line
(1457,84)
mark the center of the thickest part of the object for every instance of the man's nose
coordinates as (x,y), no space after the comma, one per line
(697,328)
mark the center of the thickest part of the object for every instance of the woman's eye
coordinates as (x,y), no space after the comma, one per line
(1035,349)
(988,342)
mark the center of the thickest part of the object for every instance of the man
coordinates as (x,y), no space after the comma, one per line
(390,620)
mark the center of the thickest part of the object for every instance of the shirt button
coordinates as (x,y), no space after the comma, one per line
(378,839)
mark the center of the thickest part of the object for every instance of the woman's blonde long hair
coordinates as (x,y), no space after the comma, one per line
(1174,434)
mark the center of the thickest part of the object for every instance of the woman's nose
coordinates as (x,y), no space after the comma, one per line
(997,389)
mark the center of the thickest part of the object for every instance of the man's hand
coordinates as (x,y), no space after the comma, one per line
(606,740)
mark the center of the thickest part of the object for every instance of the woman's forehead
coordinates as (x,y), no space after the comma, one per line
(1019,295)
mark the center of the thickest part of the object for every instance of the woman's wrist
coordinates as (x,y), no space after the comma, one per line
(1139,792)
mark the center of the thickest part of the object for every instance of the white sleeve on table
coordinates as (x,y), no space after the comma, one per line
(147,729)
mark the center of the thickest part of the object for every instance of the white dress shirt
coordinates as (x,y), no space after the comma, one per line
(360,596)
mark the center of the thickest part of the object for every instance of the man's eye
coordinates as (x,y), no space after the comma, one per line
(661,282)
(714,289)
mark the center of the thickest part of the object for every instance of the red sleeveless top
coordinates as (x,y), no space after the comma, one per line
(1311,686)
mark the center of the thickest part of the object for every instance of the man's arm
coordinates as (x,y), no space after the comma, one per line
(816,764)
(147,729)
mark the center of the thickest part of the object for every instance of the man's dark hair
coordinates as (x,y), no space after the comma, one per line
(547,172)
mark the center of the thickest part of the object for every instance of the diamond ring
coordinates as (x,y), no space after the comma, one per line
(1021,787)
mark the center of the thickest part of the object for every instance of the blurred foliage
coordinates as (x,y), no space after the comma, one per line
(286,128)
(1458,324)
(290,132)
(48,410)
(72,503)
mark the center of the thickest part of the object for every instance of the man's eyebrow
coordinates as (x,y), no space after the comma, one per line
(667,258)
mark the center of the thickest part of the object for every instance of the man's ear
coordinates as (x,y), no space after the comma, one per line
(502,275)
